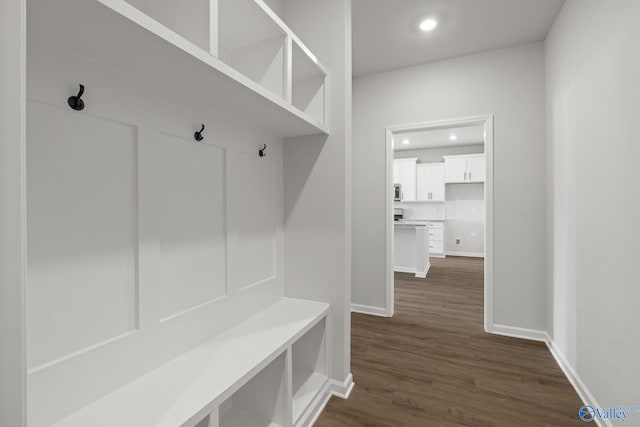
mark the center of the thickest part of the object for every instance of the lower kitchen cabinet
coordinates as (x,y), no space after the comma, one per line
(436,239)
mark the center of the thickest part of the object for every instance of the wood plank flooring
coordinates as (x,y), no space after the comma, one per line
(432,364)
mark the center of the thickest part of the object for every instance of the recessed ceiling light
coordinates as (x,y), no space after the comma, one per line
(453,137)
(406,141)
(428,24)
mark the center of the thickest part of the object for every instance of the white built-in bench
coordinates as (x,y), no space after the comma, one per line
(266,371)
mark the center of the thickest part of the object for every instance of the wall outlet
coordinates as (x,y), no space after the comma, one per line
(458,241)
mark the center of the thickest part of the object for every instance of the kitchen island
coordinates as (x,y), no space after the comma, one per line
(411,247)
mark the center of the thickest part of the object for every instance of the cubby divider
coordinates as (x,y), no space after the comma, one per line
(309,368)
(308,84)
(261,402)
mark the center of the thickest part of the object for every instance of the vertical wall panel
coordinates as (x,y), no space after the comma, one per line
(193,237)
(82,236)
(251,220)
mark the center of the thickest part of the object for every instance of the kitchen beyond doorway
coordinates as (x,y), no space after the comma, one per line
(443,173)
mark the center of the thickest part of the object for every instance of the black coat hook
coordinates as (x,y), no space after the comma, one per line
(198,135)
(261,152)
(76,102)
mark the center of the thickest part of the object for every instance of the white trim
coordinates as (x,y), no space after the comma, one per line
(419,274)
(342,389)
(423,274)
(370,310)
(516,332)
(331,388)
(488,223)
(583,392)
(389,200)
(467,254)
(487,121)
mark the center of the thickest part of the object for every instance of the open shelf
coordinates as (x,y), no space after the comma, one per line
(246,361)
(252,43)
(309,368)
(307,83)
(190,19)
(259,403)
(122,37)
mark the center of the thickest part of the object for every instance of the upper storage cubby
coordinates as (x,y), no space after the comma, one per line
(252,43)
(228,55)
(190,19)
(308,83)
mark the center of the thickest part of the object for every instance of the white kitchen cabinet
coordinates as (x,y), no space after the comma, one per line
(475,168)
(430,182)
(436,239)
(396,172)
(406,174)
(464,168)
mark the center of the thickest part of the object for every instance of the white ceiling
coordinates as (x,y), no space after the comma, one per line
(439,138)
(386,34)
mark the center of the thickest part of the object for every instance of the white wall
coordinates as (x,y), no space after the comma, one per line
(317,169)
(139,237)
(508,83)
(12,210)
(593,105)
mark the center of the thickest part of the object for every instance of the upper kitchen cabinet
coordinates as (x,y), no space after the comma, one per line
(405,172)
(430,182)
(229,55)
(466,168)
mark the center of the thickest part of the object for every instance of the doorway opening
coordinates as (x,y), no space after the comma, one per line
(439,193)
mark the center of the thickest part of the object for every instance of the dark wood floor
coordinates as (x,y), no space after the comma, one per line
(432,364)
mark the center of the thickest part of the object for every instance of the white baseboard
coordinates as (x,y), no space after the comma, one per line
(583,392)
(342,389)
(516,332)
(331,388)
(367,309)
(419,274)
(423,274)
(467,254)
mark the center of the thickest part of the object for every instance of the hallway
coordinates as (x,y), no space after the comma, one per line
(432,364)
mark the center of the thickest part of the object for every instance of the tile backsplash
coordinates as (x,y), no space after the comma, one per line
(429,211)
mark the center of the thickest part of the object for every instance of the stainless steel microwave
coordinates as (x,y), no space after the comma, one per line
(397,193)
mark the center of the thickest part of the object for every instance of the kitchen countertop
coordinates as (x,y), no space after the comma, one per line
(415,222)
